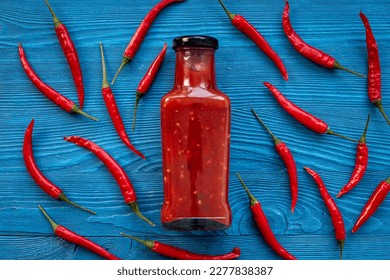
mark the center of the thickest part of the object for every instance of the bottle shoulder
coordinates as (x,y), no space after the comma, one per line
(201,93)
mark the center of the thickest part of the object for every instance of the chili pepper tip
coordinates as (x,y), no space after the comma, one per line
(53,224)
(62,197)
(125,60)
(134,206)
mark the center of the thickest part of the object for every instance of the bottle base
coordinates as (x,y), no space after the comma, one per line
(195,224)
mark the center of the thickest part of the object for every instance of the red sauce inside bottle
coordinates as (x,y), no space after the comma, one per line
(195,126)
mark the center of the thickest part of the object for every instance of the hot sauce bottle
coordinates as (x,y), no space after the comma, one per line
(195,131)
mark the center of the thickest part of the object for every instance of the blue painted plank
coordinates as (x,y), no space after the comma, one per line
(337,97)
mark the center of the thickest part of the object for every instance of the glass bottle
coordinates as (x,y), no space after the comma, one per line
(195,131)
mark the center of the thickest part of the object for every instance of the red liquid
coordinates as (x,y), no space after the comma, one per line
(195,121)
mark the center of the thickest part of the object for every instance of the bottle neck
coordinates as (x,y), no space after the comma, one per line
(195,68)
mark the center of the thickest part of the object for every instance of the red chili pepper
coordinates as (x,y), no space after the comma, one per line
(335,214)
(311,122)
(113,109)
(288,159)
(263,225)
(361,163)
(180,254)
(373,203)
(70,52)
(57,98)
(79,240)
(140,34)
(374,68)
(313,54)
(115,169)
(44,183)
(249,30)
(148,79)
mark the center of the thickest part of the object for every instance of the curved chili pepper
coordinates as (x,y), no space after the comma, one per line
(263,225)
(313,54)
(116,170)
(113,109)
(44,183)
(311,122)
(335,214)
(374,68)
(55,97)
(373,203)
(360,164)
(140,34)
(79,240)
(148,79)
(70,52)
(249,30)
(288,159)
(180,254)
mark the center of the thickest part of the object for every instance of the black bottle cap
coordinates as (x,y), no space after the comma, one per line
(195,41)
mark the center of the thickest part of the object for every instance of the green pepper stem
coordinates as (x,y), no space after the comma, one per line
(341,244)
(62,197)
(230,14)
(134,206)
(252,199)
(363,137)
(387,180)
(331,132)
(276,140)
(104,83)
(125,60)
(148,243)
(378,104)
(339,66)
(53,224)
(138,96)
(77,110)
(55,18)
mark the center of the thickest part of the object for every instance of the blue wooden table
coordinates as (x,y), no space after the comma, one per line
(337,97)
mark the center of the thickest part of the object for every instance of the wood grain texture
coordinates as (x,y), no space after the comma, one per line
(337,97)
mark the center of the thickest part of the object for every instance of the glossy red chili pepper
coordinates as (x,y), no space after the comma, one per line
(70,52)
(44,183)
(140,34)
(311,122)
(335,214)
(288,159)
(373,203)
(374,68)
(79,240)
(263,225)
(115,169)
(313,54)
(57,98)
(249,30)
(180,254)
(360,164)
(113,109)
(148,79)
